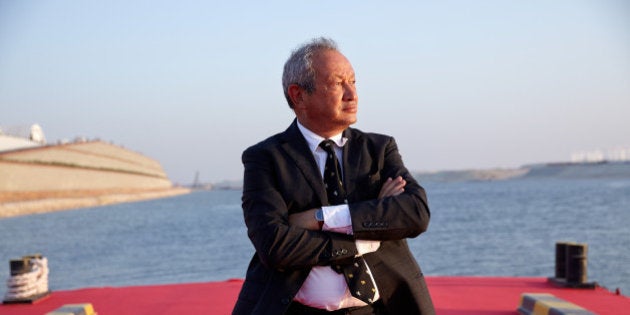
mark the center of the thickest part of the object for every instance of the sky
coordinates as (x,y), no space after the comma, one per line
(458,84)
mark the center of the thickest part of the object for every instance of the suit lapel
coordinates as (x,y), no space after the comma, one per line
(351,161)
(297,149)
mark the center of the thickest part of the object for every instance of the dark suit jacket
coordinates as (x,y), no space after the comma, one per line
(282,177)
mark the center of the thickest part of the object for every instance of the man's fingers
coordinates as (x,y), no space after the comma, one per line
(392,187)
(384,188)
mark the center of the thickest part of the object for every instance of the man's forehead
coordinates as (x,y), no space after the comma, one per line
(332,63)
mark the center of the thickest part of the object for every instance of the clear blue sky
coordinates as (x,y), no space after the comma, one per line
(459,84)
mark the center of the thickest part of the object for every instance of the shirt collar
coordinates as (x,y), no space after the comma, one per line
(314,140)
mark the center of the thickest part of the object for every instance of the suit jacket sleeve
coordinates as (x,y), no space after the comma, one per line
(391,218)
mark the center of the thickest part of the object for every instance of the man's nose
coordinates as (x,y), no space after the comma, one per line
(350,92)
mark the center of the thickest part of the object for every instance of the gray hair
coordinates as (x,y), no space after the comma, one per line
(299,67)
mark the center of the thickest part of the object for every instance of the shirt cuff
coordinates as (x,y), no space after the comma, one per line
(365,246)
(336,217)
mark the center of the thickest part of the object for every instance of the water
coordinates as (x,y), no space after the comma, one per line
(503,228)
(510,228)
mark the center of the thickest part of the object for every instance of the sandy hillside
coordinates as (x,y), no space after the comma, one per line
(69,176)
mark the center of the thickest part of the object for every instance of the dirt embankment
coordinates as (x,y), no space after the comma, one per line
(70,176)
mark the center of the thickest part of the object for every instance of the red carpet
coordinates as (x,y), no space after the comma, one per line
(494,296)
(451,295)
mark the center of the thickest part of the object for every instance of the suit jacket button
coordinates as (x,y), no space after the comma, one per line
(285,301)
(344,251)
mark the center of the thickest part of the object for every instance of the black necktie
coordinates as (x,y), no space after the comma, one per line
(356,274)
(332,175)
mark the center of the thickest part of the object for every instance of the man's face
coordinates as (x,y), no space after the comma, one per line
(332,107)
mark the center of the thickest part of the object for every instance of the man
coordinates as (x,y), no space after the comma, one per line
(308,248)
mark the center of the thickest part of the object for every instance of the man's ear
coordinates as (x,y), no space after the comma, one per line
(295,94)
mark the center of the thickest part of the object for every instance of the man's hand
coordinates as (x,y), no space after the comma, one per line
(305,220)
(392,187)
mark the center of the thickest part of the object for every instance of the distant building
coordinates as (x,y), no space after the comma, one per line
(619,154)
(21,137)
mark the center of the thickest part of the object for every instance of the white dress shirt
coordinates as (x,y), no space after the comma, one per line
(324,288)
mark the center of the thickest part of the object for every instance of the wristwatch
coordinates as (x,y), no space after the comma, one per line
(319,216)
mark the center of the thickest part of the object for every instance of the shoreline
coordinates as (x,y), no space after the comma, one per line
(52,202)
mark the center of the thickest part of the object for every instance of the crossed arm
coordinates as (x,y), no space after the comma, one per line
(306,219)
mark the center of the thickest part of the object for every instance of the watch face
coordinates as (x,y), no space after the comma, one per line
(319,215)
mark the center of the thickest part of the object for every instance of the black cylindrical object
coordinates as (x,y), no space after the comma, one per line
(561,260)
(576,263)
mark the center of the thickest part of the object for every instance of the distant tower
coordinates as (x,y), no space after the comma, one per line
(196,183)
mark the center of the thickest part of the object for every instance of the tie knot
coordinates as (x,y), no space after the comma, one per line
(327,145)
